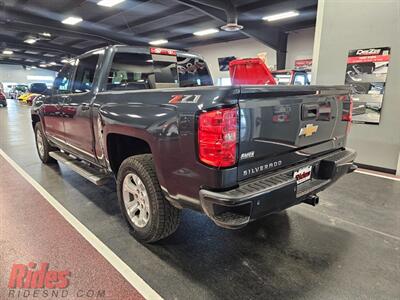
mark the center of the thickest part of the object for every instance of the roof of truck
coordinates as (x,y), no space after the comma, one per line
(139,49)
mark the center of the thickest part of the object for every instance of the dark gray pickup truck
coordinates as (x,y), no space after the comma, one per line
(152,119)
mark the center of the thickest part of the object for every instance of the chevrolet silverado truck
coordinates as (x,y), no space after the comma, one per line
(152,120)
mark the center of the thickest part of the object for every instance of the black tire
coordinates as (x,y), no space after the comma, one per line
(164,218)
(44,157)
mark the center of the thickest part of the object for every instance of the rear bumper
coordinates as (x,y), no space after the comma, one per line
(275,192)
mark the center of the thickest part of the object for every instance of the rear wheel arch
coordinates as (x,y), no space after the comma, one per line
(120,147)
(35,120)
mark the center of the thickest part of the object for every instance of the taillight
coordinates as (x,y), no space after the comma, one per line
(217,137)
(347,112)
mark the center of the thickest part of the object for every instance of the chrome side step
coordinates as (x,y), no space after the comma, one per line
(92,174)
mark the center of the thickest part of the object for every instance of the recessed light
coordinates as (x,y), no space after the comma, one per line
(288,14)
(206,32)
(72,20)
(158,42)
(8,52)
(30,41)
(46,34)
(109,3)
(42,65)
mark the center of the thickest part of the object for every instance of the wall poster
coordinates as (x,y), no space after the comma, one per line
(366,72)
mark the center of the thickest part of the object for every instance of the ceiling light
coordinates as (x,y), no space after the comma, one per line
(232,27)
(65,61)
(7,52)
(30,41)
(72,20)
(288,14)
(33,67)
(46,34)
(53,63)
(109,3)
(158,42)
(42,65)
(206,32)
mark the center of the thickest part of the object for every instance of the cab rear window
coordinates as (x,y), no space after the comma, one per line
(136,71)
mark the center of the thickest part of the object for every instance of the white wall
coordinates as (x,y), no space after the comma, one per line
(246,48)
(343,25)
(300,45)
(17,74)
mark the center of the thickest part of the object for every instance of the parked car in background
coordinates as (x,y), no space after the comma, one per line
(18,90)
(28,98)
(3,99)
(291,77)
(38,88)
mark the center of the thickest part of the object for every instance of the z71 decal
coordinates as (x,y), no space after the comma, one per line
(184,99)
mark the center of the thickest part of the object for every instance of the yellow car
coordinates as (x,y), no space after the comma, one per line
(27,97)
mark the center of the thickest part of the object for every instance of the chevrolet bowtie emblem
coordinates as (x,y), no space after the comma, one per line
(309,130)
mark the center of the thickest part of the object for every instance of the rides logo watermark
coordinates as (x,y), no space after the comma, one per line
(38,281)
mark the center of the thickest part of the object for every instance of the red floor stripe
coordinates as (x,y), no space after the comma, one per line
(31,230)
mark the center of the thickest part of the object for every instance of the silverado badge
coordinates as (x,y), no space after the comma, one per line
(309,130)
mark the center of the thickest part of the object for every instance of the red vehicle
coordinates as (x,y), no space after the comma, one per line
(3,100)
(250,71)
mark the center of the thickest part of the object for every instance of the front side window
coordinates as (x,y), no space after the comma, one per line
(193,72)
(131,71)
(62,83)
(84,75)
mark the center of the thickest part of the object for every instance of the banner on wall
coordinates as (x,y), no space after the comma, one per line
(303,63)
(366,72)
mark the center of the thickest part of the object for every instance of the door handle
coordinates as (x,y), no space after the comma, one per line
(309,111)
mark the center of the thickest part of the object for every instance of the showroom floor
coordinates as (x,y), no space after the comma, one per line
(348,247)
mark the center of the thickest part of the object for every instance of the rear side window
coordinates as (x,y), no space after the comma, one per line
(131,71)
(193,72)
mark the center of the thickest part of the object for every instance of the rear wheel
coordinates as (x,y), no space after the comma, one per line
(150,216)
(42,145)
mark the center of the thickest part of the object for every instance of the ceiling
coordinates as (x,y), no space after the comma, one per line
(136,22)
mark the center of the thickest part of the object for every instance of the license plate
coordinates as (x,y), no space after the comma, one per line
(303,174)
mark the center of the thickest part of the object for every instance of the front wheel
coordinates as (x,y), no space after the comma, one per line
(142,202)
(42,145)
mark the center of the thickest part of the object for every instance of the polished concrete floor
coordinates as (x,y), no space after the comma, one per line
(348,247)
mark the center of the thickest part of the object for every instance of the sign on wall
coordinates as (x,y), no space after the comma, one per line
(366,72)
(303,63)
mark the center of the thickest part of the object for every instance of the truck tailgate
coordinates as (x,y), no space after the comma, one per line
(282,126)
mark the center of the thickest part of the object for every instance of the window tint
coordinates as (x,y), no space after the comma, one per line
(62,83)
(193,72)
(85,74)
(131,71)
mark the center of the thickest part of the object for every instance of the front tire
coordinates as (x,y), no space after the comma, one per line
(150,216)
(42,145)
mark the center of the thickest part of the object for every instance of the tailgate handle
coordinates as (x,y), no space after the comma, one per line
(309,111)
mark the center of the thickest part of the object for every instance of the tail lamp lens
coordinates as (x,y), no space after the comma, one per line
(347,113)
(217,137)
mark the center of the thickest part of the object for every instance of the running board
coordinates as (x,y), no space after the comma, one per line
(92,174)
